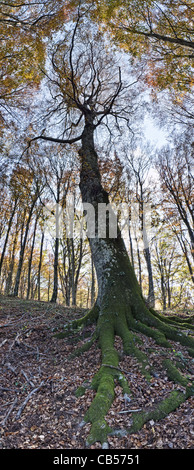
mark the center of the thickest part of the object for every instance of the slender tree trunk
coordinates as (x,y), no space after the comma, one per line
(151,296)
(73,272)
(139,265)
(131,248)
(163,288)
(40,264)
(69,275)
(93,284)
(55,284)
(8,286)
(48,287)
(56,255)
(30,258)
(66,276)
(22,250)
(7,234)
(169,293)
(185,252)
(78,268)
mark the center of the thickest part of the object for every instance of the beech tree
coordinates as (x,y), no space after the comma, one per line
(88,84)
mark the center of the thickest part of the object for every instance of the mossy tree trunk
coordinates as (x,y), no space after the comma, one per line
(119,308)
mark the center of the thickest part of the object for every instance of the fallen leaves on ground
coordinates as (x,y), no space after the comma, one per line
(38,381)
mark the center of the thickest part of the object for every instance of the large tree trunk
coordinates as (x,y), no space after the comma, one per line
(119,308)
(115,274)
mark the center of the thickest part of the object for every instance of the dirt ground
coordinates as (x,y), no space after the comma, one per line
(38,381)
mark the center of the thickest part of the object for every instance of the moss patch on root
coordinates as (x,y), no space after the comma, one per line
(159,411)
(174,374)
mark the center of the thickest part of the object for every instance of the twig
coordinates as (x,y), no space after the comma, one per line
(117,368)
(27,399)
(9,389)
(129,411)
(12,323)
(15,341)
(10,367)
(28,380)
(9,412)
(38,354)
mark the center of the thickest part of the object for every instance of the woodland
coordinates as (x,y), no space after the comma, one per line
(96,327)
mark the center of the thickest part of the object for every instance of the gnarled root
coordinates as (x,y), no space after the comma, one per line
(127,322)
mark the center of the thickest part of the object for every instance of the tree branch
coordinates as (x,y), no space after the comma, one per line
(55,139)
(161,37)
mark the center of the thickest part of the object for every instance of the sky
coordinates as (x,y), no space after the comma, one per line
(156,136)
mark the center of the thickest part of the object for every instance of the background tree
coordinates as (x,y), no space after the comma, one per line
(56,174)
(176,172)
(140,163)
(24,180)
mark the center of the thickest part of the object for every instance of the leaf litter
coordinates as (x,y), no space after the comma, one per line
(38,382)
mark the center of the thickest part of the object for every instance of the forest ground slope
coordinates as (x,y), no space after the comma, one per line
(39,379)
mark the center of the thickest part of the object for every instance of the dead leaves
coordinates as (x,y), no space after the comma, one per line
(52,417)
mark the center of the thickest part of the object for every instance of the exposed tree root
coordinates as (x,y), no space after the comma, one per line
(125,323)
(159,411)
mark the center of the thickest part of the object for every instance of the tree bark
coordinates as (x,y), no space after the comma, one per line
(109,255)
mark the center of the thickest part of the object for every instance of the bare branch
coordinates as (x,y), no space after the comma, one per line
(55,139)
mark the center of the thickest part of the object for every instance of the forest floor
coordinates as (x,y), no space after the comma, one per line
(38,381)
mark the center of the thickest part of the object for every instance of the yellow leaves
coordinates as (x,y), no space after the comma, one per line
(22,46)
(162,33)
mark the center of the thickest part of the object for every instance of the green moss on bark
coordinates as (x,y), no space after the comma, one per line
(80,391)
(159,411)
(173,373)
(157,335)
